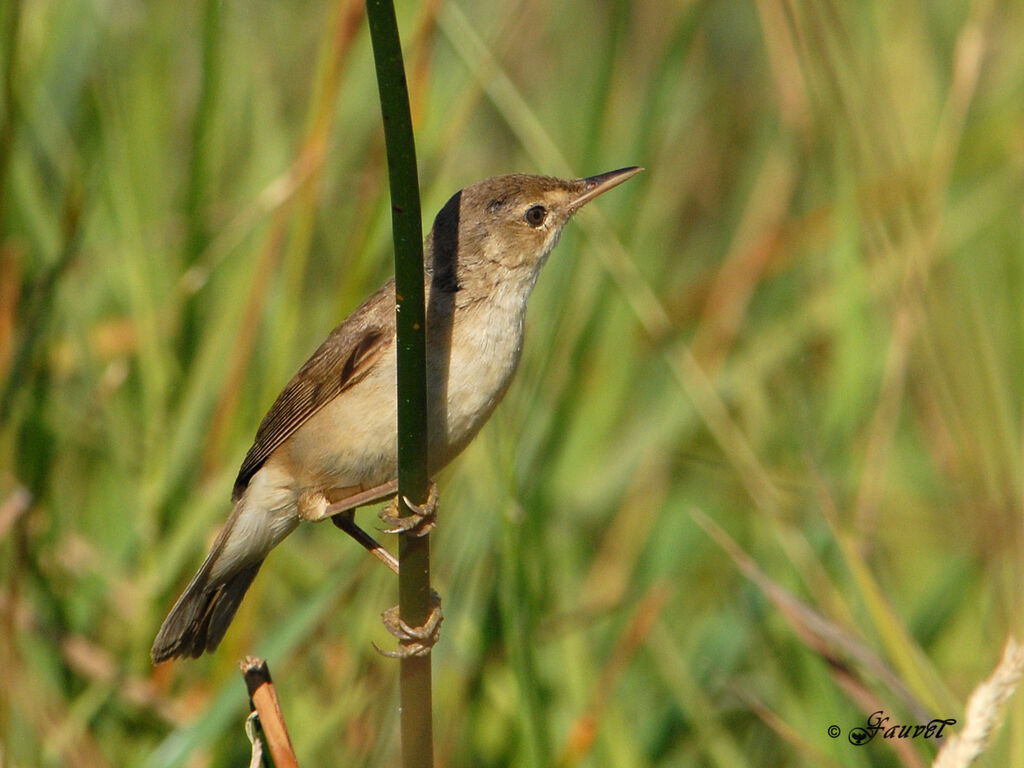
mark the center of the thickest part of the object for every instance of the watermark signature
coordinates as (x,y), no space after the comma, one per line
(879,725)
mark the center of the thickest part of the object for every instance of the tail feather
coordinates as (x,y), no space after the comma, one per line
(198,621)
(262,517)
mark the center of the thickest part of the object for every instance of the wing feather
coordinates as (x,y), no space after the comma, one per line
(345,357)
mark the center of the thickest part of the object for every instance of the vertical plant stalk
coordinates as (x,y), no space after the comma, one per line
(10,18)
(414,598)
(198,235)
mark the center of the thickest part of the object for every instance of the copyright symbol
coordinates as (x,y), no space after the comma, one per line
(833,731)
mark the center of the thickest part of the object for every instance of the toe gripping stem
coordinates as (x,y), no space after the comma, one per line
(413,641)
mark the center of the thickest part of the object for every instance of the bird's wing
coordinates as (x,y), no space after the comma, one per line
(343,359)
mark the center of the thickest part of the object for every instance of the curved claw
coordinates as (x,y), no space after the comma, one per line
(421,520)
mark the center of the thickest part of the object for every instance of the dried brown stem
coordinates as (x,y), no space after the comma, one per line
(265,704)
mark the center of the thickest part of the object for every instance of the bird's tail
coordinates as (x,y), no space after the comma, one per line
(198,621)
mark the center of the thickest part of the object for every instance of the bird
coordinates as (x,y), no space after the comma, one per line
(329,441)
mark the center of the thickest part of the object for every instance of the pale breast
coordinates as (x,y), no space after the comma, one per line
(485,346)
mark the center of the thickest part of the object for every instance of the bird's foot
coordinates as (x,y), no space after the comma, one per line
(413,641)
(421,518)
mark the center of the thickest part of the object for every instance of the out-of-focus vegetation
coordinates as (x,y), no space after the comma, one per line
(761,471)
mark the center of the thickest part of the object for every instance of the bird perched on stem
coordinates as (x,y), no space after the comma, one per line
(329,442)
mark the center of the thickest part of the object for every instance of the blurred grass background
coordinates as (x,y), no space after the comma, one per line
(761,470)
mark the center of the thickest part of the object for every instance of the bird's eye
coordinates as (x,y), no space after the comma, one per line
(536,215)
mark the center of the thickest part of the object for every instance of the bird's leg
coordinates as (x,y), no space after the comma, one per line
(342,514)
(419,522)
(413,641)
(361,499)
(346,521)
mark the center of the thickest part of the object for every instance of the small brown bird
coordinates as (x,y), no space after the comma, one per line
(330,440)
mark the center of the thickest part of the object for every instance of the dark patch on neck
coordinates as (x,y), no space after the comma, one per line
(444,261)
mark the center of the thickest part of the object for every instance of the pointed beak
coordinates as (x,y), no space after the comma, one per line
(596,185)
